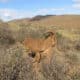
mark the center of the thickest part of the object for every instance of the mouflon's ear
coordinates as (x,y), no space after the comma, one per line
(48,34)
(51,36)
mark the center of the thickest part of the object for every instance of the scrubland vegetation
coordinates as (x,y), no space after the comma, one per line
(65,60)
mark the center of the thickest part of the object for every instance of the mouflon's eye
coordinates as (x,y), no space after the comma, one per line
(32,54)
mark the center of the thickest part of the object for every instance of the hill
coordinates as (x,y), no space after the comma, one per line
(49,20)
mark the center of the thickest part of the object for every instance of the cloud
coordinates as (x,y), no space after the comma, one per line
(76,4)
(49,10)
(4,1)
(7,14)
(10,14)
(76,1)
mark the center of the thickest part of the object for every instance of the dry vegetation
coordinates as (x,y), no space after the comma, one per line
(65,60)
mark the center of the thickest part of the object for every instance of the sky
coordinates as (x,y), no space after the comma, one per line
(17,9)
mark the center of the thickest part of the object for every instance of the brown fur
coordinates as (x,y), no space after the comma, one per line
(40,47)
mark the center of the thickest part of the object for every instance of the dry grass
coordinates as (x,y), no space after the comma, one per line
(15,64)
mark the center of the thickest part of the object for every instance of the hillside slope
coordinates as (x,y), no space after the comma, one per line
(61,20)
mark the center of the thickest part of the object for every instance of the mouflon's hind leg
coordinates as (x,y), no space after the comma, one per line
(38,57)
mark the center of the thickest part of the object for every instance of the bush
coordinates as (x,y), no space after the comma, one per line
(13,66)
(6,36)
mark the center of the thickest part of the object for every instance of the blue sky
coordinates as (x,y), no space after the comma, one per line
(14,9)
